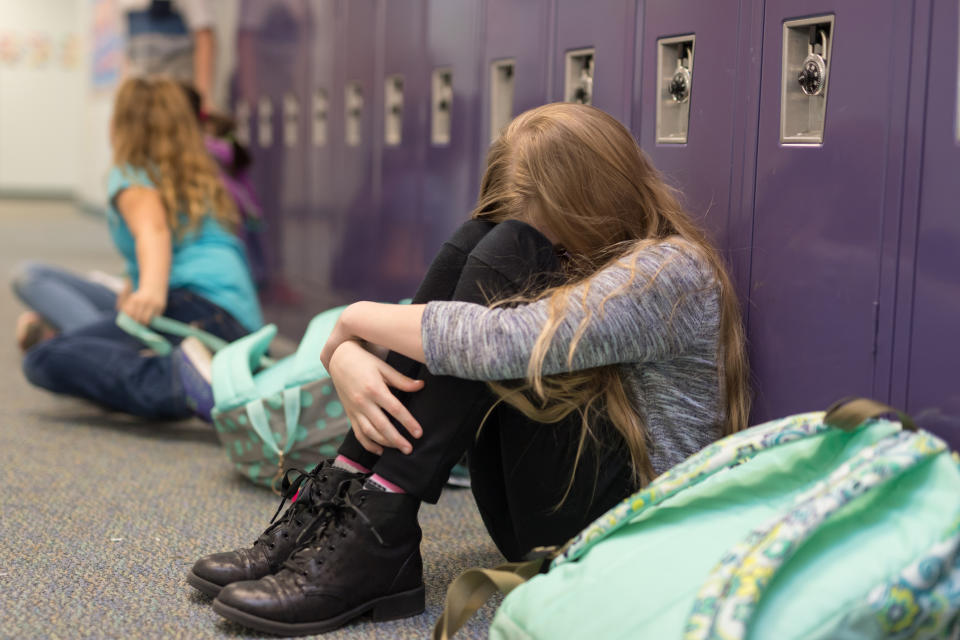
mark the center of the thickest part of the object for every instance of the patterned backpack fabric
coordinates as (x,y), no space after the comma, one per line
(792,529)
(283,416)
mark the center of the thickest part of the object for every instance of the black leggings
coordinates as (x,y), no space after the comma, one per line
(520,469)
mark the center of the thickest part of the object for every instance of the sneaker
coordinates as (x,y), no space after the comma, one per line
(365,559)
(32,330)
(309,493)
(194,364)
(459,476)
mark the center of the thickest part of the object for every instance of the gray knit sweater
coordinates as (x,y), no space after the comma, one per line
(660,324)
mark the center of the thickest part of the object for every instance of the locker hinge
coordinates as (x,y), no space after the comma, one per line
(876,326)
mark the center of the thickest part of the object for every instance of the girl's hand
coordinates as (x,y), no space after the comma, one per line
(362,381)
(144,305)
(124,293)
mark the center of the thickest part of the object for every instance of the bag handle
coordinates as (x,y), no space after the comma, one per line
(472,588)
(157,342)
(724,605)
(849,413)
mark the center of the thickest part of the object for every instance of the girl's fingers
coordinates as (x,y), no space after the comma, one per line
(399,381)
(397,409)
(386,430)
(373,434)
(362,438)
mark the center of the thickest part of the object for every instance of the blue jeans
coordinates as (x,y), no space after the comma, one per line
(92,358)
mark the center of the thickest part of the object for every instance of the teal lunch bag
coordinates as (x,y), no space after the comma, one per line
(841,525)
(270,416)
(284,416)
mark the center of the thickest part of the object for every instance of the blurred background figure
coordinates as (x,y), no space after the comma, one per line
(174,38)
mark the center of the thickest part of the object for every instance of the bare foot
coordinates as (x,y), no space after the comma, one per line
(32,329)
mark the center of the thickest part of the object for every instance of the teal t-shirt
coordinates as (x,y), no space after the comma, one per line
(210,261)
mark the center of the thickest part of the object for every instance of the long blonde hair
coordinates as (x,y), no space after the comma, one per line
(154,129)
(578,173)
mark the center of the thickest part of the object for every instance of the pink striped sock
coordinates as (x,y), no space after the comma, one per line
(345,463)
(379,483)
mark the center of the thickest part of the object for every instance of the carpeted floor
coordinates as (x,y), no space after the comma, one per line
(101,515)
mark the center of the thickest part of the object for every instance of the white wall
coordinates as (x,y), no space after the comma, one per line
(39,104)
(54,126)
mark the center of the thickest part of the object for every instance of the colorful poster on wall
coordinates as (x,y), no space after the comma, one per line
(107,44)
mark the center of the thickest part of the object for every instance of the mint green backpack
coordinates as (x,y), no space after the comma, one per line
(810,527)
(283,416)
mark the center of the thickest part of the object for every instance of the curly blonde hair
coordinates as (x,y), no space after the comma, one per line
(574,170)
(154,129)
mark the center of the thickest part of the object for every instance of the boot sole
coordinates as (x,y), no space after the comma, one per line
(204,586)
(392,607)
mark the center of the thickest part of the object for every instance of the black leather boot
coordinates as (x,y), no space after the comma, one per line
(211,573)
(365,558)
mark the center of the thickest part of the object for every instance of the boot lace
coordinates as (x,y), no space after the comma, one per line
(340,513)
(307,502)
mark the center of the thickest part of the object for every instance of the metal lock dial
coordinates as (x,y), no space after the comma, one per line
(813,75)
(813,71)
(679,87)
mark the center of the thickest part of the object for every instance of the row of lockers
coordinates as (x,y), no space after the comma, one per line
(817,140)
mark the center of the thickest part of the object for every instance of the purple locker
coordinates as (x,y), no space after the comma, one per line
(927,384)
(689,132)
(822,209)
(603,32)
(516,34)
(451,176)
(358,200)
(401,116)
(272,59)
(322,115)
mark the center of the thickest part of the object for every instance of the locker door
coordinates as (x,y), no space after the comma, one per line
(451,175)
(685,101)
(272,57)
(593,54)
(358,199)
(321,117)
(515,66)
(933,389)
(820,207)
(402,129)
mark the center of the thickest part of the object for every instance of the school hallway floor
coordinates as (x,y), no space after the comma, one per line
(101,515)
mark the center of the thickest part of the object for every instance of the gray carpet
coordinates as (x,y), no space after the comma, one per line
(101,515)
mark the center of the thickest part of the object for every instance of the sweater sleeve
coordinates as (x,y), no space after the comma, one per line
(647,306)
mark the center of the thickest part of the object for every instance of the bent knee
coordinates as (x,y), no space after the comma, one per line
(24,274)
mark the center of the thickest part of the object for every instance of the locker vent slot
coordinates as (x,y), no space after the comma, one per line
(393,111)
(321,111)
(805,79)
(675,88)
(264,122)
(578,81)
(353,107)
(442,101)
(243,122)
(501,95)
(291,120)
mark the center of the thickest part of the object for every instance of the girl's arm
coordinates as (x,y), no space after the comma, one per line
(395,327)
(143,211)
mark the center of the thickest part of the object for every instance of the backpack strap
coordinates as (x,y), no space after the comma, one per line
(728,599)
(160,345)
(848,413)
(473,588)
